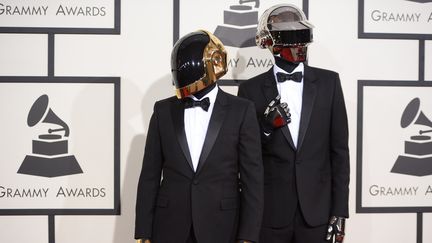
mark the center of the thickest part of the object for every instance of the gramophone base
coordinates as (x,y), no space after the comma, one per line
(236,37)
(413,166)
(418,147)
(50,167)
(50,148)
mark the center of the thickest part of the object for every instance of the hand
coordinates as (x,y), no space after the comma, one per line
(336,228)
(143,241)
(244,241)
(276,115)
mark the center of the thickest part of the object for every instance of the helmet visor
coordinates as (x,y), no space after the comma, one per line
(294,37)
(187,65)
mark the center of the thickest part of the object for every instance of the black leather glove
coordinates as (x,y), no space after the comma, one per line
(275,116)
(336,229)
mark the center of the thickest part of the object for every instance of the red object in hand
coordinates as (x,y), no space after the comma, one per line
(278,122)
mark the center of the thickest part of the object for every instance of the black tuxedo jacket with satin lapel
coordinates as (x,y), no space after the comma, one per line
(315,175)
(223,199)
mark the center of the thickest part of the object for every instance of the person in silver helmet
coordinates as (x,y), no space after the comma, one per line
(303,120)
(202,172)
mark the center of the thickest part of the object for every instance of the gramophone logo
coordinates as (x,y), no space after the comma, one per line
(417,160)
(240,24)
(49,156)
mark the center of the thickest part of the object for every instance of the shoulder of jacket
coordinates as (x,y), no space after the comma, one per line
(164,102)
(322,71)
(256,80)
(233,99)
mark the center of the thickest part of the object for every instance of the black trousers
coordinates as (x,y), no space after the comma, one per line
(297,232)
(191,238)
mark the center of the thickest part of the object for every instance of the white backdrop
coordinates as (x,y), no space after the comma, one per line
(140,56)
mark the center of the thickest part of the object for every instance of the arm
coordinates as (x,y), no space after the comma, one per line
(275,116)
(143,241)
(339,154)
(149,181)
(251,177)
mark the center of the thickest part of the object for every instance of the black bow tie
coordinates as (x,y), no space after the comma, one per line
(296,77)
(204,103)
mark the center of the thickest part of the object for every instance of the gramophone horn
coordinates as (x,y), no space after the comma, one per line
(37,111)
(423,120)
(37,114)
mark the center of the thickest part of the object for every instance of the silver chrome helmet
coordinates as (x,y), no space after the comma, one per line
(285,31)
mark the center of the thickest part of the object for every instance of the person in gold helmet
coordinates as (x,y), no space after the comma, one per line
(304,126)
(202,172)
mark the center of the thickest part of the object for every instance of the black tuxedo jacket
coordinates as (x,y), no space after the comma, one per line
(223,199)
(315,175)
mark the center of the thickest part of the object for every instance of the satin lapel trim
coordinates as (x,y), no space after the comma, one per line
(270,92)
(215,124)
(287,134)
(178,121)
(309,94)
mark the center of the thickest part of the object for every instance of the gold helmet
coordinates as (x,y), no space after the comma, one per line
(198,59)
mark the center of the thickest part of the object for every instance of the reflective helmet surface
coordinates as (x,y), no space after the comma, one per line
(198,59)
(285,30)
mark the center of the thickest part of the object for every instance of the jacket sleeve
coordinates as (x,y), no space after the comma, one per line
(149,181)
(339,153)
(251,177)
(244,93)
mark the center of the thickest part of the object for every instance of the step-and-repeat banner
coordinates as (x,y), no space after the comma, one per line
(60,135)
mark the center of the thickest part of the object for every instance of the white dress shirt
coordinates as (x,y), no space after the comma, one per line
(292,93)
(196,121)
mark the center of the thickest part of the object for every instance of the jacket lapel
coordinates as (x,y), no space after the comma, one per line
(309,93)
(270,92)
(216,121)
(177,110)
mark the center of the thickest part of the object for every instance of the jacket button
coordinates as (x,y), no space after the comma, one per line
(195,181)
(298,161)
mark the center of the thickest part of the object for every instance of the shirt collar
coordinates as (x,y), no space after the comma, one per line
(211,95)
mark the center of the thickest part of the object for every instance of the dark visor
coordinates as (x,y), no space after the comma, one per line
(292,37)
(187,64)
